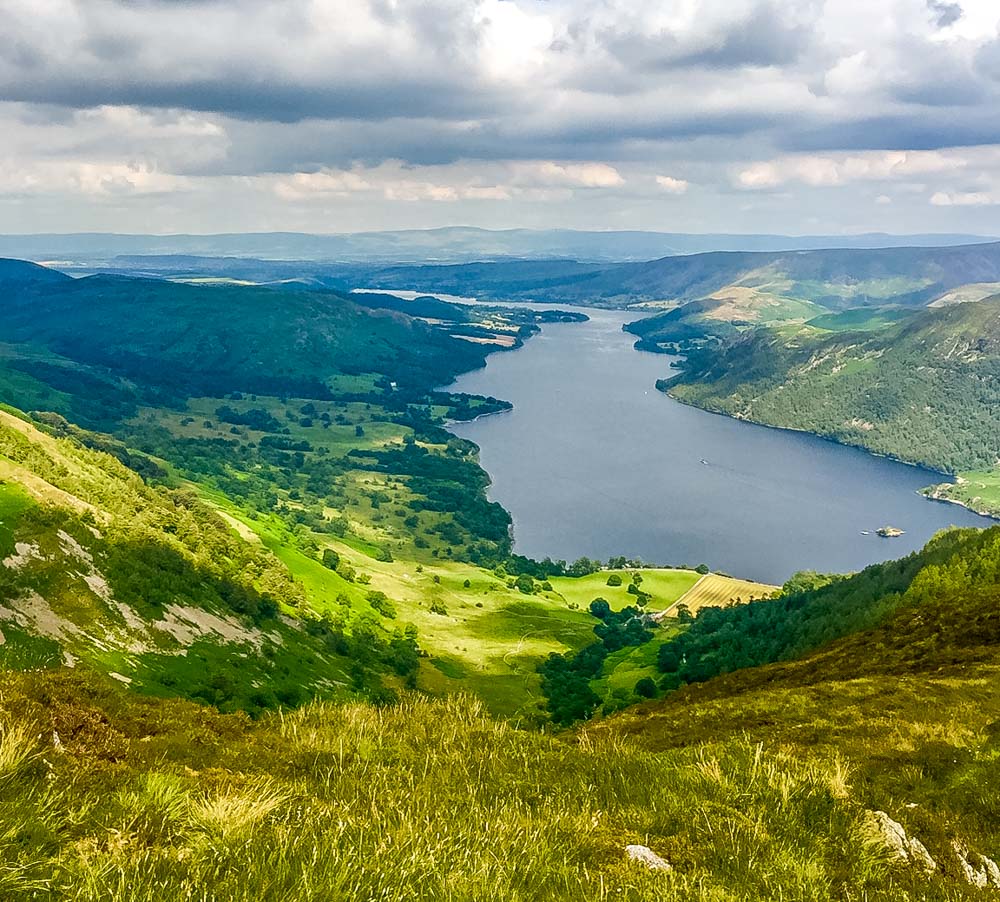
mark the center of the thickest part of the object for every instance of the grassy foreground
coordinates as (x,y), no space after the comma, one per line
(101,801)
(109,796)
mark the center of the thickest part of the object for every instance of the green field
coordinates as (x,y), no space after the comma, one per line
(664,586)
(623,669)
(978,490)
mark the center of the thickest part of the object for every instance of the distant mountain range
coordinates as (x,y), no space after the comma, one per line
(445,245)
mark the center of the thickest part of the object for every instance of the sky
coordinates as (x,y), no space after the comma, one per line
(787,116)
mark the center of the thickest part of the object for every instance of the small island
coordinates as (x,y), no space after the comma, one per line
(889,532)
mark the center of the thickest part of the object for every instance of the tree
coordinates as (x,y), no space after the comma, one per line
(525,584)
(614,580)
(600,608)
(646,688)
(583,567)
(331,559)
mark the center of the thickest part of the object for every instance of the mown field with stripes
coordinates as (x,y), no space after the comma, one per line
(715,589)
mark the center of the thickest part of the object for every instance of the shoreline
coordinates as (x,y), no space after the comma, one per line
(480,416)
(925,492)
(930,494)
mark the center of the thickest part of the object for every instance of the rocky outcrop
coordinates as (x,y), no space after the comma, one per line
(978,870)
(890,834)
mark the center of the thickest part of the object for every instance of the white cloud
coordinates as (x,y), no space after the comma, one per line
(965,198)
(501,181)
(671,185)
(828,170)
(578,175)
(393,107)
(94,180)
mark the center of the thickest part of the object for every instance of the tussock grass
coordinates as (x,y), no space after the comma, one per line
(425,800)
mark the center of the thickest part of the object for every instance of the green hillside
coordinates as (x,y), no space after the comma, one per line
(761,784)
(211,340)
(926,390)
(103,572)
(262,635)
(392,562)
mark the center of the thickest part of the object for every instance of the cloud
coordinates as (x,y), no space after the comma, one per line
(672,185)
(965,199)
(733,36)
(945,13)
(396,181)
(542,105)
(833,170)
(577,175)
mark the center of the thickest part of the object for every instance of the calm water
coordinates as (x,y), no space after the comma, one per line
(594,461)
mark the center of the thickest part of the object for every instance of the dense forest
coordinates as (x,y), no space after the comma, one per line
(811,613)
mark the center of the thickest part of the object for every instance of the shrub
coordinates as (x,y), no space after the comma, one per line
(646,688)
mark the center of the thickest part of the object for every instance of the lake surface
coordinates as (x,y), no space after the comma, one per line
(594,461)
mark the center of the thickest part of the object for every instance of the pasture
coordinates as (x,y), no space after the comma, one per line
(665,586)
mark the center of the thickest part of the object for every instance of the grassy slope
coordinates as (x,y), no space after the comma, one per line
(487,637)
(491,637)
(664,586)
(99,570)
(754,786)
(978,490)
(924,391)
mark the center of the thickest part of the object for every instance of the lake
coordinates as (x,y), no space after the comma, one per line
(594,461)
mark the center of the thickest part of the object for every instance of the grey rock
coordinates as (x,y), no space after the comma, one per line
(978,870)
(891,834)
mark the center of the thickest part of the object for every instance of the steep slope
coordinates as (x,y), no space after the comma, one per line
(926,390)
(898,610)
(812,779)
(101,571)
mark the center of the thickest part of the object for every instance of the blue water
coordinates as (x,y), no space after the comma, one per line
(594,461)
